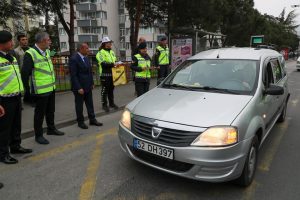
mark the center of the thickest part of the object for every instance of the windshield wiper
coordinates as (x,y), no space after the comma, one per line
(180,86)
(218,89)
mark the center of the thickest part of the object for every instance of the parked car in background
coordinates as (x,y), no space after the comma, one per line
(209,117)
(298,64)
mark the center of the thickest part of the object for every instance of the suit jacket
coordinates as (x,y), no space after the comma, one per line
(81,73)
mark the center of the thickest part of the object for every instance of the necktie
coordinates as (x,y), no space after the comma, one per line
(85,59)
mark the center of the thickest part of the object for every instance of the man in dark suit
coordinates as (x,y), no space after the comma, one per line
(82,85)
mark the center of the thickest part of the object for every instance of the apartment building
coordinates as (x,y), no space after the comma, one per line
(98,18)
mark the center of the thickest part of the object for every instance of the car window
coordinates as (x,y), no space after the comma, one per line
(237,75)
(268,77)
(277,71)
(282,64)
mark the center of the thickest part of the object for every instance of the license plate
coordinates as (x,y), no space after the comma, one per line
(153,149)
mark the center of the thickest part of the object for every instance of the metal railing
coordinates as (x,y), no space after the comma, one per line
(63,79)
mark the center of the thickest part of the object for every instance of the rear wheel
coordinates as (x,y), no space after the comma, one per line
(248,173)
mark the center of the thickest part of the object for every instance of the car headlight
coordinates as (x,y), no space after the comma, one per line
(126,119)
(217,136)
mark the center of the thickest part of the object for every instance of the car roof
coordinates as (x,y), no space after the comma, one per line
(235,53)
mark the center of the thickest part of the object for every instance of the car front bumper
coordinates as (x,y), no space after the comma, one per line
(211,164)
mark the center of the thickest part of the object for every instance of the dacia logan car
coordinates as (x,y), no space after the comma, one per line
(209,117)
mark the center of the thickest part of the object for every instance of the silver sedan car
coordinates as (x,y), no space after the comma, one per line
(209,117)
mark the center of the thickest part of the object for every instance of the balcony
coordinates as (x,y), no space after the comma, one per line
(86,22)
(88,38)
(86,7)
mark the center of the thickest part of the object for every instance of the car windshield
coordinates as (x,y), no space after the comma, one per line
(226,76)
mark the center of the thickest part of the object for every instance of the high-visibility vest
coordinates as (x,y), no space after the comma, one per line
(142,62)
(163,58)
(105,56)
(10,78)
(43,76)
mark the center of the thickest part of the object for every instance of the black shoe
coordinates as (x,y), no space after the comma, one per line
(82,125)
(1,185)
(55,132)
(114,106)
(20,150)
(105,108)
(41,140)
(95,123)
(8,160)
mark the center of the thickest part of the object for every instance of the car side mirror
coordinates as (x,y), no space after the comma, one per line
(274,90)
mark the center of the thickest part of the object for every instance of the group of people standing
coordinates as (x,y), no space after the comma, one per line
(142,65)
(29,71)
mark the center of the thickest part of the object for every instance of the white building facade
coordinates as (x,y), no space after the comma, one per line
(98,18)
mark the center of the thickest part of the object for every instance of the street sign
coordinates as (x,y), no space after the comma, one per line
(256,40)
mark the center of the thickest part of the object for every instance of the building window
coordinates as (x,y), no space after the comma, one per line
(122,19)
(62,31)
(105,32)
(122,45)
(63,45)
(127,45)
(147,30)
(122,32)
(94,45)
(101,14)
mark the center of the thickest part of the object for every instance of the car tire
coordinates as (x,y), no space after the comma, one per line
(248,173)
(283,114)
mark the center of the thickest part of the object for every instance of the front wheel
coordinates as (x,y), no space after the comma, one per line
(248,173)
(283,113)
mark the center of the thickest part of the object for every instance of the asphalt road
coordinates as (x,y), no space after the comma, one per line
(90,165)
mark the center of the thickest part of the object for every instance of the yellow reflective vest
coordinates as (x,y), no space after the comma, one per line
(10,78)
(105,56)
(163,58)
(43,75)
(142,62)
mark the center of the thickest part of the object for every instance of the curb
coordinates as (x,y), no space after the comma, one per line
(68,122)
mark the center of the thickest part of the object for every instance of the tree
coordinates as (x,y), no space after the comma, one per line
(56,7)
(10,9)
(144,12)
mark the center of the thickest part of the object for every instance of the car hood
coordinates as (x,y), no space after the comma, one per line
(194,108)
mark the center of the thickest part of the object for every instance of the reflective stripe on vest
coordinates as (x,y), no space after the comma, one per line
(105,56)
(10,78)
(43,77)
(163,56)
(143,63)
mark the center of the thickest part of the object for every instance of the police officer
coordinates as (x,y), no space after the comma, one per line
(38,64)
(141,65)
(11,88)
(106,60)
(162,60)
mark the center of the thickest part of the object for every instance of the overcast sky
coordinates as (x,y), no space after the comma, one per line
(274,7)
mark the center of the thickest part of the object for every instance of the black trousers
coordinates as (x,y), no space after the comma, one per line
(45,106)
(107,91)
(162,73)
(10,124)
(27,96)
(87,98)
(141,87)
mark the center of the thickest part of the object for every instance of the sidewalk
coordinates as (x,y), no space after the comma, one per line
(65,107)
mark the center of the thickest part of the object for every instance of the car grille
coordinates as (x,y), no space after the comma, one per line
(161,162)
(170,137)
